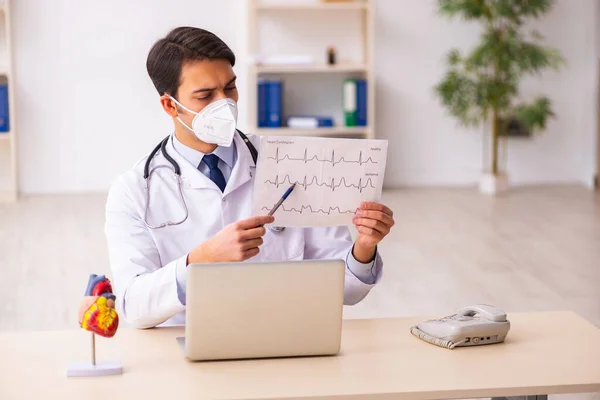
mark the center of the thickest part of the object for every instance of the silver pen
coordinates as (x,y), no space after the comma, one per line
(280,202)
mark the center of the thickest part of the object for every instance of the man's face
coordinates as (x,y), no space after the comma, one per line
(202,83)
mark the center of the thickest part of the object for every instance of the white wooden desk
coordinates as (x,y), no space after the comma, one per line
(545,353)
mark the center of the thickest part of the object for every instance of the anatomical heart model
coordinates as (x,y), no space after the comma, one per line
(97,311)
(98,315)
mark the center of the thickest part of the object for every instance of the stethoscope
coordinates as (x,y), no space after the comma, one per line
(162,147)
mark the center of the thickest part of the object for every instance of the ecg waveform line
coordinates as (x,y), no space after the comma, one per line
(317,211)
(314,181)
(331,160)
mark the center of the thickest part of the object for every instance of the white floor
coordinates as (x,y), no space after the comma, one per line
(535,249)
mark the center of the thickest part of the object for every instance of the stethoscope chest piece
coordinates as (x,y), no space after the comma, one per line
(276,229)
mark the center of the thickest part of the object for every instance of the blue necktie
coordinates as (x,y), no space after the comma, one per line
(215,174)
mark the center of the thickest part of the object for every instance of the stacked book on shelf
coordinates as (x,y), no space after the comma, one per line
(270,103)
(271,109)
(4,127)
(309,122)
(355,102)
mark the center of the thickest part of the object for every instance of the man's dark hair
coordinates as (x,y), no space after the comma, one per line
(182,45)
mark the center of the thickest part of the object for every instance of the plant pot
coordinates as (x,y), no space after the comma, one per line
(491,184)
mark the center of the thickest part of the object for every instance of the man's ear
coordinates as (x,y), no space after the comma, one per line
(169,105)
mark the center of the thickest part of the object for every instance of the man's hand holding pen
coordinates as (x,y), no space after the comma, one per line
(240,241)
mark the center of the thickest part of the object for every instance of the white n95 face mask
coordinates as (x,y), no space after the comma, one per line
(216,122)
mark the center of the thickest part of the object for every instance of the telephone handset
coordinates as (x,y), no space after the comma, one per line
(488,312)
(471,326)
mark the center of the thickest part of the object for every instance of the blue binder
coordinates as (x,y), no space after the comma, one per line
(274,103)
(4,126)
(361,102)
(263,116)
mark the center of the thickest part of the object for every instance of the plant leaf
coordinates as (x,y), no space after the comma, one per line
(536,114)
(467,9)
(459,94)
(453,58)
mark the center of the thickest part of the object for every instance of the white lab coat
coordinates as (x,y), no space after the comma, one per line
(144,261)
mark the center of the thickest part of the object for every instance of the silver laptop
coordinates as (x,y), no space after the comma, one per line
(259,310)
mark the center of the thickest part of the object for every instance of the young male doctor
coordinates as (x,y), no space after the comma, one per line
(155,228)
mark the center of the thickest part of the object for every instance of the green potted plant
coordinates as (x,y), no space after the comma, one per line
(481,87)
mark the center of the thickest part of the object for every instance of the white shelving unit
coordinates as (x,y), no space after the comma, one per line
(330,132)
(8,140)
(364,9)
(317,5)
(312,68)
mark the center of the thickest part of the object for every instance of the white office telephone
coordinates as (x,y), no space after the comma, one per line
(470,326)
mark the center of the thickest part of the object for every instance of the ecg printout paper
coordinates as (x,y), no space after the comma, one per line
(333,177)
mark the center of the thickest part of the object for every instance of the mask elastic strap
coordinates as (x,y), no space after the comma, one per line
(185,108)
(183,123)
(182,106)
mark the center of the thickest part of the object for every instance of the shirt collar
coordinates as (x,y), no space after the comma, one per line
(194,157)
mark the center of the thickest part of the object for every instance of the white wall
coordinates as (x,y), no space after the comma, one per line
(88,111)
(426,146)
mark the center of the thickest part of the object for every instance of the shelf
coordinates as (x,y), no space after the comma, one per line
(334,131)
(302,64)
(314,6)
(7,196)
(308,68)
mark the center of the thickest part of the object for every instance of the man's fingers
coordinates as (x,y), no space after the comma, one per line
(251,253)
(253,233)
(369,232)
(250,244)
(377,215)
(254,222)
(372,223)
(370,205)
